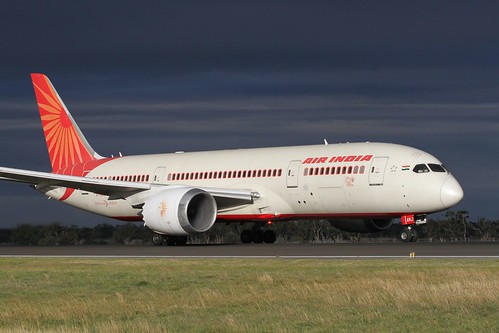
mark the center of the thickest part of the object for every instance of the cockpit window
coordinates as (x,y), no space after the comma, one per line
(421,168)
(436,167)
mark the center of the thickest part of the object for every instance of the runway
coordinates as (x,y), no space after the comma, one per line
(291,251)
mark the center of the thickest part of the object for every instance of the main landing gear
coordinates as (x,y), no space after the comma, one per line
(257,235)
(409,232)
(159,240)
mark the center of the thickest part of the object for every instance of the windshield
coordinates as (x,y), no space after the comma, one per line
(431,167)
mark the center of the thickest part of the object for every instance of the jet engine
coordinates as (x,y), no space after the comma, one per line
(180,211)
(362,226)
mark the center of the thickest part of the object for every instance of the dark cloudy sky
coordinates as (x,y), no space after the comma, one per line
(160,76)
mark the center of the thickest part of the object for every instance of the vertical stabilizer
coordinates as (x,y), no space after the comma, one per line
(66,144)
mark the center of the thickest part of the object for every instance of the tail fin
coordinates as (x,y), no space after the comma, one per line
(66,144)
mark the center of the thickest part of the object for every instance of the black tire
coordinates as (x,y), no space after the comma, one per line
(181,241)
(269,237)
(171,240)
(415,235)
(406,235)
(246,237)
(158,240)
(257,236)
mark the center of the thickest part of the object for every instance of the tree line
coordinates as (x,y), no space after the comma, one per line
(455,226)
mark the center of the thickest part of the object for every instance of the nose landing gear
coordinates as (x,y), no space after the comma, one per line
(409,233)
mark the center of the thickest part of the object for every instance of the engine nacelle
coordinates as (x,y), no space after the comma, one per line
(180,211)
(363,226)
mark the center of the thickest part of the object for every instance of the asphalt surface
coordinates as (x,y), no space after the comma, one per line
(361,250)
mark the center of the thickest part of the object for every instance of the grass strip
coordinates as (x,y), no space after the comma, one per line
(252,295)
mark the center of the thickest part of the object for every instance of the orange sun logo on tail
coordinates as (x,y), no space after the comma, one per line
(65,142)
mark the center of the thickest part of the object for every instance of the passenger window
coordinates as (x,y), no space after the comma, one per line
(436,167)
(421,168)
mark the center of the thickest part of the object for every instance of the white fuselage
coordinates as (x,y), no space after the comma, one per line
(352,180)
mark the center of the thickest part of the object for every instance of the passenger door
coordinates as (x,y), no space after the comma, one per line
(292,175)
(377,171)
(158,174)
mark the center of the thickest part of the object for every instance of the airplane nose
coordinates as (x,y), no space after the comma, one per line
(451,193)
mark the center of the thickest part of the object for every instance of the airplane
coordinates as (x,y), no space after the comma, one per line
(358,187)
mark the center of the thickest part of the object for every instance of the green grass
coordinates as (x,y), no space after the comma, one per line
(233,295)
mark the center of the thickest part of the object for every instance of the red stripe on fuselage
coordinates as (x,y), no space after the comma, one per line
(288,217)
(284,217)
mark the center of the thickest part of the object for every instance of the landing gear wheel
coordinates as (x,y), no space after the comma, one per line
(257,236)
(269,236)
(158,240)
(406,235)
(415,235)
(409,234)
(246,236)
(176,240)
(181,240)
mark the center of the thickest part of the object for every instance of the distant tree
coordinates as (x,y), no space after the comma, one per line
(86,236)
(131,233)
(26,234)
(103,231)
(455,226)
(488,230)
(50,234)
(69,236)
(5,236)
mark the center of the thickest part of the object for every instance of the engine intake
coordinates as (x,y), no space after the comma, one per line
(180,211)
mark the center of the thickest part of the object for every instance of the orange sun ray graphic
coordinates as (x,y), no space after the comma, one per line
(63,141)
(164,208)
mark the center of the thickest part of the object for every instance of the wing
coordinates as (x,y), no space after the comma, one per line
(228,197)
(46,179)
(225,197)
